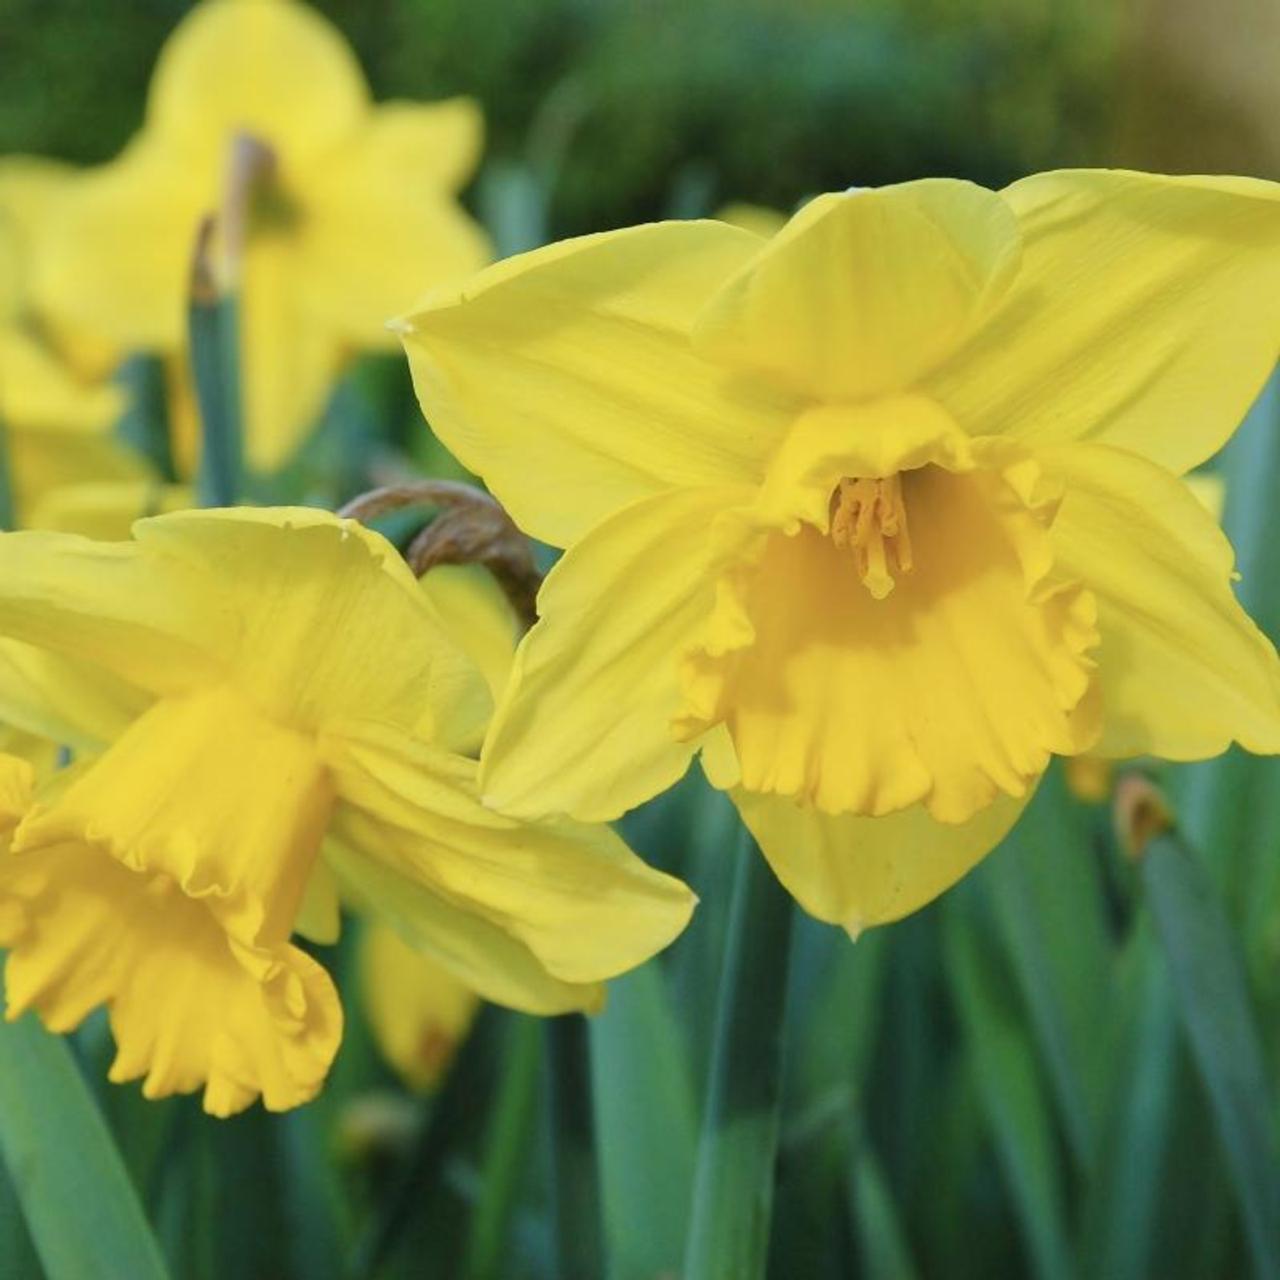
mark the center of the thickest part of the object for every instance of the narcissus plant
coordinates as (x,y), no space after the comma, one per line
(274,715)
(879,514)
(349,216)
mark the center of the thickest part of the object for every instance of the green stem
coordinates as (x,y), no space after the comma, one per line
(213,320)
(506,1148)
(733,1186)
(576,1212)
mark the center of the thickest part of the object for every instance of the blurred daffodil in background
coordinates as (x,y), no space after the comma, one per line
(879,552)
(349,212)
(56,405)
(286,721)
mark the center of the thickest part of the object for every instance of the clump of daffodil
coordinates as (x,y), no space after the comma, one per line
(880,514)
(353,205)
(274,714)
(56,408)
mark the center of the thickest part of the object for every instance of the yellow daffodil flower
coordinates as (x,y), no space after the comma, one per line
(355,217)
(280,717)
(880,513)
(57,412)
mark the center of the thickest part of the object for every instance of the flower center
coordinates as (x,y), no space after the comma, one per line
(869,518)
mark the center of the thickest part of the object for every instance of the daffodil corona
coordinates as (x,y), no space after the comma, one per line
(272,712)
(880,513)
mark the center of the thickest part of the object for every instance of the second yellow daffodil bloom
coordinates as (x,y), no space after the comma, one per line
(354,216)
(274,715)
(880,514)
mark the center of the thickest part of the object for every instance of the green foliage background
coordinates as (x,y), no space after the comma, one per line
(656,103)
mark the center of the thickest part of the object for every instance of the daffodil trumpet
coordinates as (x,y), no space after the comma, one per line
(876,516)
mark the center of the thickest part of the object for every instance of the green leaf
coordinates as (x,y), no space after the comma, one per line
(733,1186)
(882,1243)
(81,1209)
(1047,898)
(1121,1201)
(647,1124)
(575,1199)
(1213,1001)
(1012,1096)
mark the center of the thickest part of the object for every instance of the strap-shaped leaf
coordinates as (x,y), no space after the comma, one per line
(81,1209)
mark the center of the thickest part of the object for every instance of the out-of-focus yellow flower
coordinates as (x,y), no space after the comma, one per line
(1089,777)
(880,513)
(56,412)
(355,219)
(268,682)
(417,1008)
(106,509)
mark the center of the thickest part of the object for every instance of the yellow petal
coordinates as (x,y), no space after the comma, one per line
(575,895)
(477,616)
(208,792)
(417,1009)
(29,185)
(17,789)
(758,219)
(571,367)
(952,689)
(58,430)
(118,250)
(865,290)
(1209,488)
(1183,670)
(477,951)
(382,225)
(319,916)
(857,872)
(39,393)
(187,1007)
(320,618)
(585,726)
(63,700)
(106,509)
(272,68)
(289,360)
(110,604)
(1146,314)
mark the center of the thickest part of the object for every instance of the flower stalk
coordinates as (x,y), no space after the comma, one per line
(213,321)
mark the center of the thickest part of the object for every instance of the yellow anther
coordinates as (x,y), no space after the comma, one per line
(869,518)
